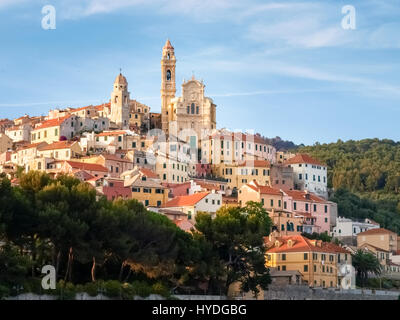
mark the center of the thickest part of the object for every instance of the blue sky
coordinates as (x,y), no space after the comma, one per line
(284,68)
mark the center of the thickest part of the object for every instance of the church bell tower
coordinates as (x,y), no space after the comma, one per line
(168,87)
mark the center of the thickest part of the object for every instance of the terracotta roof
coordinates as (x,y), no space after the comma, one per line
(372,246)
(302,196)
(51,123)
(87,166)
(58,145)
(302,244)
(375,231)
(149,173)
(303,158)
(115,158)
(33,145)
(183,201)
(264,189)
(185,225)
(208,186)
(110,133)
(255,163)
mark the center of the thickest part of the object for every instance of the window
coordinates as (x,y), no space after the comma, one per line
(146,202)
(283,256)
(307,207)
(133,144)
(326,209)
(188,109)
(197,109)
(305,256)
(283,268)
(158,203)
(272,202)
(134,189)
(192,108)
(305,268)
(315,207)
(168,75)
(294,205)
(300,176)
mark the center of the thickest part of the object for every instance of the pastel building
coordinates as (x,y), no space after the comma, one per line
(192,204)
(309,174)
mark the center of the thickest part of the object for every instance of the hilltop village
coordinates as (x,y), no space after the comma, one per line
(178,163)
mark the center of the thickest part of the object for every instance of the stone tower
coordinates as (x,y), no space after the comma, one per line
(120,103)
(168,87)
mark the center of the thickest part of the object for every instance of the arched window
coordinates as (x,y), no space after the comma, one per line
(116,99)
(188,109)
(169,56)
(168,75)
(197,109)
(192,108)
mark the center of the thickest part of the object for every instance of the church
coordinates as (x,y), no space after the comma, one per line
(193,112)
(191,117)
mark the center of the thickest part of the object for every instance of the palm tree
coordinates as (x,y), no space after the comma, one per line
(364,263)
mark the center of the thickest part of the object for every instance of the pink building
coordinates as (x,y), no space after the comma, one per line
(324,211)
(177,189)
(203,170)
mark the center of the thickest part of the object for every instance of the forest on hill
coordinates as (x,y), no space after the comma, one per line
(365,177)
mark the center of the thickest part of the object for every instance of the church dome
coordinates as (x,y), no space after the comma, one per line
(120,79)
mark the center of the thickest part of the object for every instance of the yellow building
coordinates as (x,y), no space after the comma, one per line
(145,186)
(61,150)
(379,238)
(318,262)
(239,174)
(51,130)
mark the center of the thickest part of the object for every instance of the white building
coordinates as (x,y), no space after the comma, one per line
(309,174)
(349,228)
(198,202)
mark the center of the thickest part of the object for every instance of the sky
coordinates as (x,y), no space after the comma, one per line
(281,68)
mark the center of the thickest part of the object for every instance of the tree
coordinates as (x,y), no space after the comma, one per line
(365,263)
(236,236)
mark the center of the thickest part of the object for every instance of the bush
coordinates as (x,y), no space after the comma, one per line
(142,288)
(4,292)
(113,288)
(128,291)
(91,288)
(159,288)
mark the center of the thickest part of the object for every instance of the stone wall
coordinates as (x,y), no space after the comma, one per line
(305,293)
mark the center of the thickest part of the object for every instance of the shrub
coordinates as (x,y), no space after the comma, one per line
(128,291)
(4,292)
(91,289)
(142,288)
(159,288)
(113,288)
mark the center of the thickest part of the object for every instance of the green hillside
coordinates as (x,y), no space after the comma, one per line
(365,176)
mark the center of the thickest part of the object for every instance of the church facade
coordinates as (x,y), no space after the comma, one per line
(192,116)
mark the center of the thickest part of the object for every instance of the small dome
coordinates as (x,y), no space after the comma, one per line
(120,79)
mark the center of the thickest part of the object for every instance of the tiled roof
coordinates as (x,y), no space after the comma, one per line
(255,163)
(183,201)
(110,133)
(148,173)
(115,158)
(374,247)
(375,231)
(51,123)
(264,189)
(87,166)
(58,145)
(185,225)
(302,244)
(33,145)
(303,158)
(302,196)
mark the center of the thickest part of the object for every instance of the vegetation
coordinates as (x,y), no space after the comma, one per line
(365,263)
(365,178)
(119,247)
